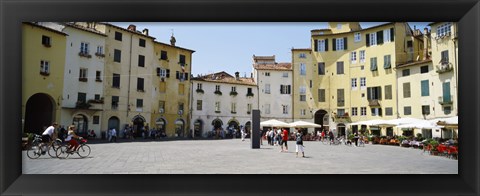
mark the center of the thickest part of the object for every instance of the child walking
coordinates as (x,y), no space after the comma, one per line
(299,143)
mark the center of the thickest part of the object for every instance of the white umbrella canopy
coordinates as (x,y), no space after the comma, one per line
(274,123)
(447,121)
(402,121)
(303,124)
(424,124)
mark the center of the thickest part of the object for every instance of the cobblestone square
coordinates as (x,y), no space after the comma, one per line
(233,156)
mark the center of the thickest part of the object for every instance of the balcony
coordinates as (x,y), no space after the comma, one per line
(82,79)
(345,118)
(233,93)
(82,105)
(44,73)
(445,100)
(249,94)
(444,67)
(218,92)
(373,102)
(99,54)
(199,90)
(84,54)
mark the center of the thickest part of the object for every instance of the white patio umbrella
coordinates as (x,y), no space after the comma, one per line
(424,124)
(274,123)
(451,121)
(402,121)
(303,124)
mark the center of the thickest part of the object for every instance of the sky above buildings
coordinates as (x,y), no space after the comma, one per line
(230,46)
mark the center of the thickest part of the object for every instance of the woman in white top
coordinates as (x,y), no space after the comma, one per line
(70,138)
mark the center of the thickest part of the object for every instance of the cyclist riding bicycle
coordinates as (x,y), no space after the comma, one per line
(47,136)
(71,139)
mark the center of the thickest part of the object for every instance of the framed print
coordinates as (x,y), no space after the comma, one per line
(15,14)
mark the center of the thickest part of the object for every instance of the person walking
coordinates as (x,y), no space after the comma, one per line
(243,134)
(355,137)
(284,140)
(113,135)
(299,143)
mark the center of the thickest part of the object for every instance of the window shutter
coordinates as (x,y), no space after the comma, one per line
(379,93)
(392,34)
(177,75)
(281,89)
(289,89)
(185,76)
(315,45)
(379,111)
(369,93)
(158,71)
(345,43)
(379,37)
(168,73)
(334,44)
(326,44)
(367,39)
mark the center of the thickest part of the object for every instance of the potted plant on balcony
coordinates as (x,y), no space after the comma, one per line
(199,90)
(233,93)
(218,92)
(82,105)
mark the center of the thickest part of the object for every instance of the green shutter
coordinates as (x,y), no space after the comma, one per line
(334,42)
(387,61)
(315,45)
(326,44)
(425,89)
(367,39)
(446,92)
(373,64)
(379,37)
(392,34)
(345,43)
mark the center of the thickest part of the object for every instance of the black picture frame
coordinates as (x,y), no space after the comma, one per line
(13,13)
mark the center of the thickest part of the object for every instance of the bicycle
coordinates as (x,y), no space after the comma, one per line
(325,140)
(361,142)
(83,150)
(38,148)
(336,141)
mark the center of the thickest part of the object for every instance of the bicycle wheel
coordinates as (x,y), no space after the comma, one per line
(34,152)
(52,150)
(61,152)
(325,141)
(83,151)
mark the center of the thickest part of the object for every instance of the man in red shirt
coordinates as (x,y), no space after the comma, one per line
(284,140)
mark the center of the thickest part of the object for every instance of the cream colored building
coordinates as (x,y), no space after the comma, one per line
(43,62)
(221,101)
(274,82)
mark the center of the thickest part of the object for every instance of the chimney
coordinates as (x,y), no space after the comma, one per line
(132,27)
(237,75)
(425,44)
(145,32)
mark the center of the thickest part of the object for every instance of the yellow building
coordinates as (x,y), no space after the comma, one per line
(352,74)
(171,82)
(43,62)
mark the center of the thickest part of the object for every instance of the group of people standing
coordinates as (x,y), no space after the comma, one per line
(279,137)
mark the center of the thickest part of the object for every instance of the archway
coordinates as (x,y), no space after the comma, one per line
(321,118)
(138,123)
(39,113)
(217,123)
(113,122)
(179,128)
(81,123)
(233,128)
(198,128)
(161,125)
(341,130)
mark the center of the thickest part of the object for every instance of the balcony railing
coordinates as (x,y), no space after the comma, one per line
(373,102)
(84,54)
(444,66)
(99,54)
(445,100)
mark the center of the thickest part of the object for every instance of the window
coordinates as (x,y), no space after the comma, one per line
(234,89)
(116,81)
(373,64)
(425,109)
(140,82)
(354,83)
(302,112)
(357,37)
(139,105)
(141,43)
(180,108)
(44,67)
(322,45)
(161,107)
(303,69)
(311,83)
(425,88)
(407,110)
(97,97)
(374,93)
(84,48)
(99,50)
(141,61)
(217,87)
(321,68)
(96,120)
(363,111)
(233,109)
(249,108)
(386,35)
(340,68)
(285,74)
(249,92)
(285,109)
(303,91)
(340,97)
(181,89)
(447,97)
(363,83)
(115,101)
(340,44)
(406,90)
(447,109)
(118,36)
(362,56)
(199,105)
(267,108)
(117,55)
(285,89)
(163,55)
(444,59)
(354,111)
(82,97)
(387,61)
(83,74)
(406,72)
(372,40)
(444,29)
(388,92)
(267,88)
(161,72)
(321,95)
(217,107)
(424,69)
(199,86)
(389,111)
(181,59)
(376,111)
(267,73)
(46,41)
(353,57)
(339,26)
(302,55)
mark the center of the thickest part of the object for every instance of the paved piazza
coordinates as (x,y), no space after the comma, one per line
(232,156)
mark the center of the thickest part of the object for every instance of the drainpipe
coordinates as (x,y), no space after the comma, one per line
(129,75)
(456,68)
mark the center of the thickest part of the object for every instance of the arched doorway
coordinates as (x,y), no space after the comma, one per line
(248,127)
(198,128)
(138,123)
(341,130)
(114,122)
(217,124)
(161,125)
(321,118)
(81,123)
(233,125)
(39,113)
(179,128)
